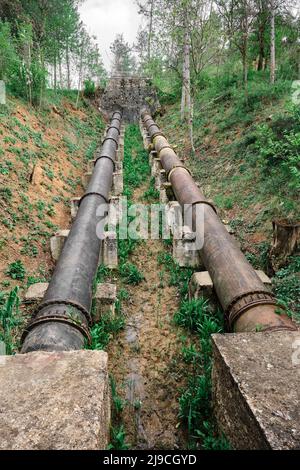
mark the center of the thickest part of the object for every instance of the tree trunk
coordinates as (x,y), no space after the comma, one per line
(68,66)
(29,73)
(273,52)
(61,85)
(286,241)
(261,42)
(80,74)
(245,66)
(55,73)
(150,29)
(186,85)
(186,101)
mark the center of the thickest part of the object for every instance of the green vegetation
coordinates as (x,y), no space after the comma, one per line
(16,270)
(106,328)
(9,320)
(117,432)
(198,317)
(34,38)
(286,285)
(130,274)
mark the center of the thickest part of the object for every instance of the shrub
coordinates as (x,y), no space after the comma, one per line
(131,274)
(16,270)
(89,88)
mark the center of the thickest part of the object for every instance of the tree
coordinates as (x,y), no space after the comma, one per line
(124,61)
(238,17)
(146,8)
(8,56)
(261,22)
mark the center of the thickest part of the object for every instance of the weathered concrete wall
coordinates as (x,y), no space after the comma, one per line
(56,400)
(130,94)
(256,384)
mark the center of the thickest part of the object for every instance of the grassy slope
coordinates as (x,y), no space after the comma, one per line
(228,164)
(43,154)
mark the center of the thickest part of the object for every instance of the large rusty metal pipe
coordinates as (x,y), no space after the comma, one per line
(62,320)
(248,304)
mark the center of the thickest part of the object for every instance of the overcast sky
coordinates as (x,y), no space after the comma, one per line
(106,18)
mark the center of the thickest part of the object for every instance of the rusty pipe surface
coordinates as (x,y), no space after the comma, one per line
(248,304)
(61,322)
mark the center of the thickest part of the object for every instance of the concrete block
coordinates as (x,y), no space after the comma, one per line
(91,165)
(163,198)
(120,151)
(264,278)
(74,204)
(156,167)
(256,383)
(160,179)
(54,401)
(174,219)
(104,300)
(117,186)
(57,242)
(169,191)
(110,250)
(119,166)
(115,210)
(86,179)
(35,294)
(184,255)
(152,156)
(201,284)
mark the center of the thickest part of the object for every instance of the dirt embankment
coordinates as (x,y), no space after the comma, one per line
(42,157)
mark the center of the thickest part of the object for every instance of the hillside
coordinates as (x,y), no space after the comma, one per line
(43,156)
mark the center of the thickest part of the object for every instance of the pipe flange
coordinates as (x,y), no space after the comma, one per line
(148,119)
(175,168)
(64,318)
(159,134)
(110,138)
(163,148)
(117,119)
(117,112)
(242,303)
(68,302)
(114,127)
(151,125)
(210,204)
(93,193)
(108,157)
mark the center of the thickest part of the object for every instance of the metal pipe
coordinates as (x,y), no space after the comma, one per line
(248,304)
(62,320)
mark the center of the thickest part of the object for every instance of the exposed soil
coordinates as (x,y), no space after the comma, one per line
(145,359)
(49,174)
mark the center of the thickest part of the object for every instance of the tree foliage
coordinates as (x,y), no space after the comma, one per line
(44,43)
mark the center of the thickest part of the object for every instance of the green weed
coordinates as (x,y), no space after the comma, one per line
(16,270)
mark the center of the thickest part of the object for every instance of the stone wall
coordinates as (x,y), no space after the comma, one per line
(131,94)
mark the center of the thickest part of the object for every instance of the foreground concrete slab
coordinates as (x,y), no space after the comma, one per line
(57,400)
(256,383)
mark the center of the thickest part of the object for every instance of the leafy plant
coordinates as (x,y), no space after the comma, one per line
(130,274)
(9,319)
(16,270)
